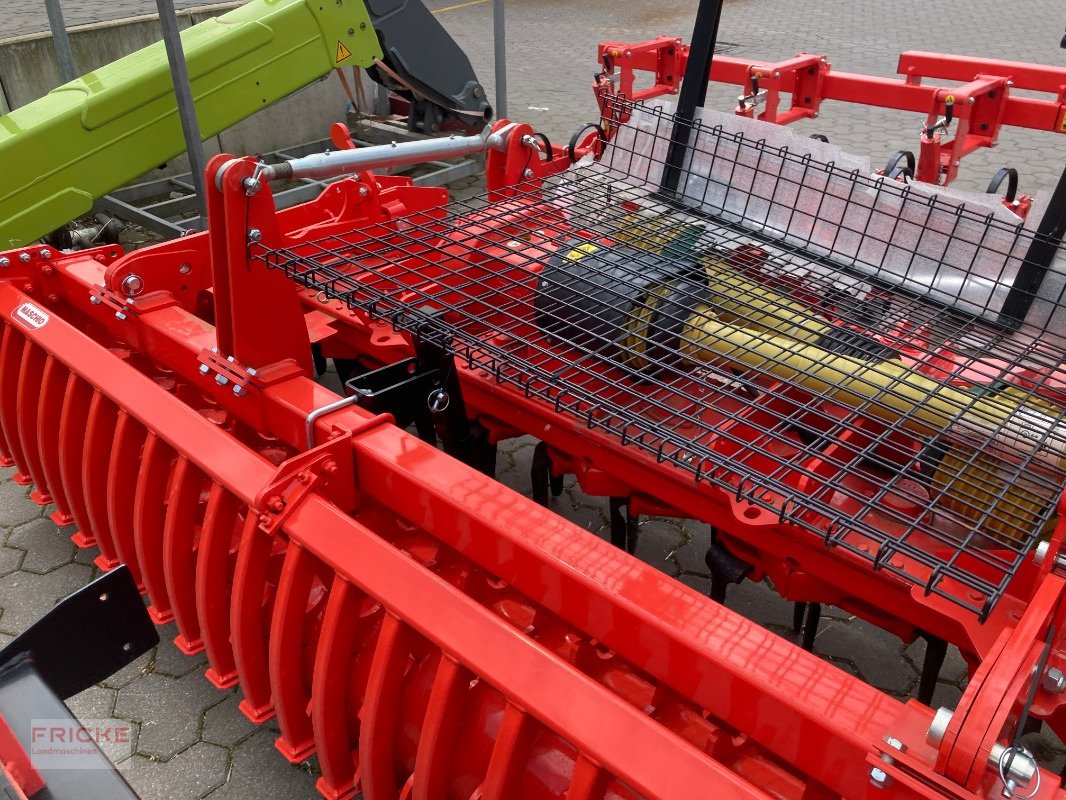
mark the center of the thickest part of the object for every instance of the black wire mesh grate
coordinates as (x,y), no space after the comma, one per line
(888,406)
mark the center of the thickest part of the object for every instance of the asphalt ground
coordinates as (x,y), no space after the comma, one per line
(190,740)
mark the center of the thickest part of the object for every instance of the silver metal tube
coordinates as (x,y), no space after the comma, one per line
(499,44)
(68,70)
(186,107)
(318,413)
(342,162)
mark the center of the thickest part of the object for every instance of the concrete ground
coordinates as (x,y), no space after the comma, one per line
(191,740)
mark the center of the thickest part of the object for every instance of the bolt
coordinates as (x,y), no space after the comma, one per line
(303,476)
(879,778)
(53,298)
(362,26)
(971,100)
(479,92)
(1054,680)
(45,253)
(251,371)
(184,269)
(120,315)
(229,359)
(204,369)
(777,74)
(363,191)
(221,379)
(264,519)
(528,173)
(255,235)
(276,504)
(5,262)
(330,468)
(27,288)
(1010,83)
(239,390)
(132,285)
(47,271)
(94,300)
(25,258)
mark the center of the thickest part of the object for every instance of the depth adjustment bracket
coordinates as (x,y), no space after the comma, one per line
(425,391)
(327,469)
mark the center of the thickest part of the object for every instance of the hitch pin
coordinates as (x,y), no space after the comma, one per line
(944,121)
(757,98)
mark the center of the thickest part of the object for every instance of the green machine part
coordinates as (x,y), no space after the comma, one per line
(88,137)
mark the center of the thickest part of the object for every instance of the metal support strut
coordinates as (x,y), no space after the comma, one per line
(693,89)
(183,93)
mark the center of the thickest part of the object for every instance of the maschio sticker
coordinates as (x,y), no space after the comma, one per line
(31,316)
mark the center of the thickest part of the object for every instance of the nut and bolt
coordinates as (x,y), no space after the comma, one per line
(878,776)
(5,262)
(25,258)
(184,269)
(221,380)
(204,369)
(1054,680)
(94,300)
(132,285)
(363,191)
(255,235)
(45,253)
(120,315)
(330,467)
(276,504)
(527,173)
(48,271)
(239,391)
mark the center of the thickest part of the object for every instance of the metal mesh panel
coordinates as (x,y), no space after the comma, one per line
(810,377)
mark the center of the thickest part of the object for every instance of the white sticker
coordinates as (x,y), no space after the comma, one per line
(32,316)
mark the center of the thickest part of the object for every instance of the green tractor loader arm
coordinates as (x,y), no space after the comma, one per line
(88,137)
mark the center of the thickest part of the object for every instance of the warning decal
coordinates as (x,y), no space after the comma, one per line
(342,51)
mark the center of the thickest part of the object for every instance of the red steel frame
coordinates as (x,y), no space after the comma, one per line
(981,106)
(427,631)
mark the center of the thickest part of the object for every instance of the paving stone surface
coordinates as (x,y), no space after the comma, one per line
(191,739)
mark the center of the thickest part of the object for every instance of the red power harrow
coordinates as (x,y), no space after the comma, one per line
(428,632)
(858,383)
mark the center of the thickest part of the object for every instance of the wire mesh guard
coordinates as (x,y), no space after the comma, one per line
(842,352)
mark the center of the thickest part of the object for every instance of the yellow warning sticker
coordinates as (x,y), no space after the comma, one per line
(342,51)
(581,250)
(1063,127)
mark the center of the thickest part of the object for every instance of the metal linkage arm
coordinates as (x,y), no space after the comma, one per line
(343,162)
